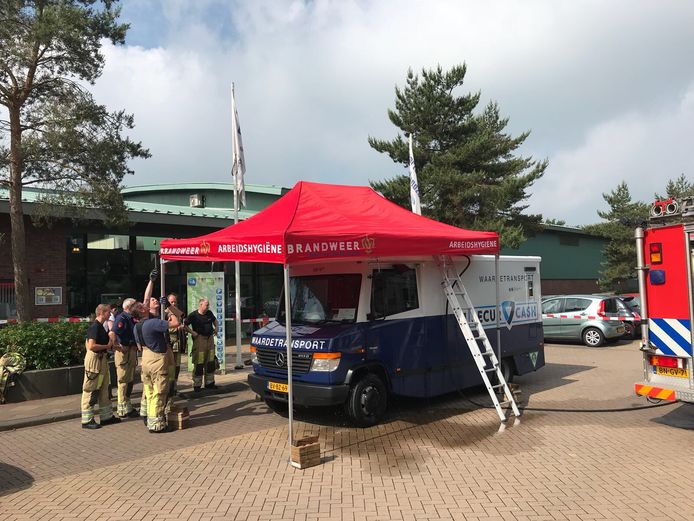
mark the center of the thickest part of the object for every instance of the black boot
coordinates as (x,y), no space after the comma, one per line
(197,389)
(210,386)
(91,425)
(111,420)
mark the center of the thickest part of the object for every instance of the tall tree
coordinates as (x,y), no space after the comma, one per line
(467,170)
(619,256)
(59,137)
(678,188)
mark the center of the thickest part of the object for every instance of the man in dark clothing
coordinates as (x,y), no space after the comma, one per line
(125,359)
(96,373)
(204,328)
(157,365)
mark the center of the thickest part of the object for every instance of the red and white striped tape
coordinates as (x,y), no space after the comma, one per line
(251,320)
(51,319)
(587,317)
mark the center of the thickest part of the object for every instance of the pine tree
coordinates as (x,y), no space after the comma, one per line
(468,173)
(59,137)
(678,189)
(624,215)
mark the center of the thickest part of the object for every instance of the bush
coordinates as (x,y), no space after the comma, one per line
(45,345)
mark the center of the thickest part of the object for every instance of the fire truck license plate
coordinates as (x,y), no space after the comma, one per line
(671,371)
(277,387)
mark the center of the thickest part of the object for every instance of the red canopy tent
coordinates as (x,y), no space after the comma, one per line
(315,222)
(319,222)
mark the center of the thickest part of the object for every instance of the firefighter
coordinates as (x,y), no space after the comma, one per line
(177,340)
(204,328)
(157,359)
(125,359)
(96,372)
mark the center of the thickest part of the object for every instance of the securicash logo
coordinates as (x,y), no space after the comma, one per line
(508,311)
(518,312)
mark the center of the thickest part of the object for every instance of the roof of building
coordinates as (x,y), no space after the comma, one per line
(260,189)
(31,195)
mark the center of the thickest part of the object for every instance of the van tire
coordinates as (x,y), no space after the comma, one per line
(593,337)
(281,408)
(508,369)
(367,401)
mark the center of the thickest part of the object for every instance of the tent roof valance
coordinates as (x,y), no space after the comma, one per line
(316,222)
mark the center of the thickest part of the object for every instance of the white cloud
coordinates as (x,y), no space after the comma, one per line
(645,149)
(314,79)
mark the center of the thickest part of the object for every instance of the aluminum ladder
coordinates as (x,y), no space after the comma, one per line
(474,334)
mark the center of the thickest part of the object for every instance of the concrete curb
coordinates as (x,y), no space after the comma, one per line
(42,419)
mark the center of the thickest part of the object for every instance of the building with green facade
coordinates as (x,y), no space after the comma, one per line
(571,259)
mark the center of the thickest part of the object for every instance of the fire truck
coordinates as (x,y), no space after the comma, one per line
(664,250)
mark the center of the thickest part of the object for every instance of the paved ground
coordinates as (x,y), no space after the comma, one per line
(435,459)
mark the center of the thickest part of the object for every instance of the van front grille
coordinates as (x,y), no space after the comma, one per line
(276,359)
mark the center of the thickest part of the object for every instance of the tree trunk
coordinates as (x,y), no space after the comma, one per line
(18,238)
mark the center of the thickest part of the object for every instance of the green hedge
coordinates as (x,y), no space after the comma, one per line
(45,345)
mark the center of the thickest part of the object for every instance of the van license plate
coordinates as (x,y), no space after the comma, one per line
(671,371)
(278,387)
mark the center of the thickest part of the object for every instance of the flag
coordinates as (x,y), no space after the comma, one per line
(238,163)
(414,187)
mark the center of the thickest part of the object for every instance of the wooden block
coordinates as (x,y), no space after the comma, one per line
(179,417)
(305,452)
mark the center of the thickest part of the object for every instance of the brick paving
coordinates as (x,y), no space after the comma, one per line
(431,459)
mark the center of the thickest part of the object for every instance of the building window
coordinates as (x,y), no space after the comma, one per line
(8,303)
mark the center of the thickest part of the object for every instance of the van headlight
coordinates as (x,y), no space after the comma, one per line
(254,355)
(325,362)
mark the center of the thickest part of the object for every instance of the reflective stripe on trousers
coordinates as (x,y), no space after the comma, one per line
(125,370)
(203,355)
(155,380)
(95,391)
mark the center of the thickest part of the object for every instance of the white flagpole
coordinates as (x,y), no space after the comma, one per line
(414,186)
(237,264)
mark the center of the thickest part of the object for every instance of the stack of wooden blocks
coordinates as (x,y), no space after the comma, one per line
(179,417)
(305,452)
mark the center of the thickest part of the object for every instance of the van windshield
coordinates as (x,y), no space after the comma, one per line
(320,299)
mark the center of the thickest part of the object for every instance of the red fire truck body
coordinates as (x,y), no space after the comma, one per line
(664,251)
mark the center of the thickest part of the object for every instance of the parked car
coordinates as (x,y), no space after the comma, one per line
(632,300)
(588,318)
(629,315)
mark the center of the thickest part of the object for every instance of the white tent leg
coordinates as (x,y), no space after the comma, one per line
(498,311)
(288,323)
(237,269)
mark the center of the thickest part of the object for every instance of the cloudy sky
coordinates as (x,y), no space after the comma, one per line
(607,88)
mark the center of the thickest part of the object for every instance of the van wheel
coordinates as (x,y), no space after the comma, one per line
(281,408)
(508,369)
(593,337)
(367,401)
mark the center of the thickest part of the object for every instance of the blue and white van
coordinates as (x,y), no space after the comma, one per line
(364,330)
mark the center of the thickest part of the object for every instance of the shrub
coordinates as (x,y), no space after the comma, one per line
(45,345)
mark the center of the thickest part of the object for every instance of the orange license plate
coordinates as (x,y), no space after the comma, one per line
(671,371)
(278,387)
